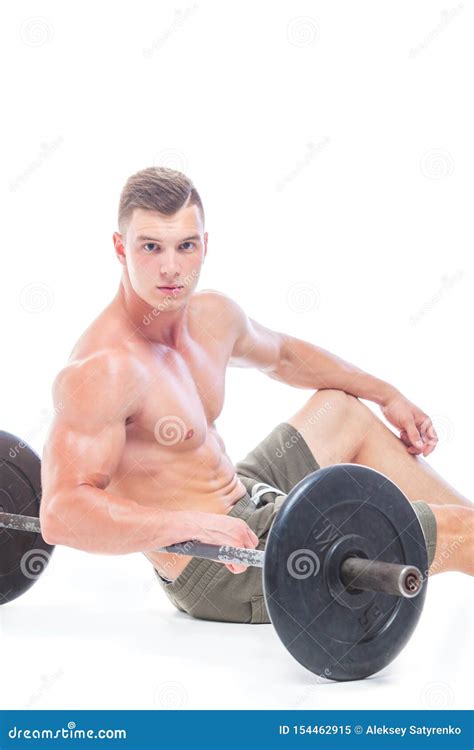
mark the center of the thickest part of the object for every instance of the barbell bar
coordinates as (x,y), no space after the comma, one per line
(356,573)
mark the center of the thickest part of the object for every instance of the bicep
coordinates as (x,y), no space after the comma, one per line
(87,437)
(75,456)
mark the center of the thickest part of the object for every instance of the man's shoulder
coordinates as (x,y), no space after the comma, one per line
(99,371)
(219,302)
(227,316)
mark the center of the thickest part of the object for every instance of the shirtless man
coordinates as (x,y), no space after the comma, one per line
(133,460)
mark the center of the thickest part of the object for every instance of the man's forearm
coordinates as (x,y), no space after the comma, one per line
(304,365)
(90,519)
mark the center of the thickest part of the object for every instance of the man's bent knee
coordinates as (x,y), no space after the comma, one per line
(331,397)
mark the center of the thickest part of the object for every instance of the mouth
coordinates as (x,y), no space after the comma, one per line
(170,289)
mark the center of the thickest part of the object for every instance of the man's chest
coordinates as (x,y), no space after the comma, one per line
(183,395)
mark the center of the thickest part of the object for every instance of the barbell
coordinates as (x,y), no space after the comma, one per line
(342,565)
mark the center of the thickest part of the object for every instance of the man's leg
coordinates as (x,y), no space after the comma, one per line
(339,428)
(454,547)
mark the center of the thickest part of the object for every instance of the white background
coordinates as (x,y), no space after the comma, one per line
(331,144)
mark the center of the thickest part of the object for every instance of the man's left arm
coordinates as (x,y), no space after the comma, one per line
(304,365)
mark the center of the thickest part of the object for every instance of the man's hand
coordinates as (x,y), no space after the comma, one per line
(220,529)
(416,428)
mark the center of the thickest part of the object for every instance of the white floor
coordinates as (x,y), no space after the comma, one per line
(98,632)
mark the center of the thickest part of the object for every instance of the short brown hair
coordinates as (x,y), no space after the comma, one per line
(157,189)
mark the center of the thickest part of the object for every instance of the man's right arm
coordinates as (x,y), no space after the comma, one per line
(83,448)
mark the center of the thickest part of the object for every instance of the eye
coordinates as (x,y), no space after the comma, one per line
(188,243)
(147,246)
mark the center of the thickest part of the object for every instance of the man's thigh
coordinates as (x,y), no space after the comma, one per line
(281,459)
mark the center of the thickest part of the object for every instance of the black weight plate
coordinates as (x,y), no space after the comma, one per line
(23,555)
(335,633)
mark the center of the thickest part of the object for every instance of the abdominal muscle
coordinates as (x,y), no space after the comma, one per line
(198,479)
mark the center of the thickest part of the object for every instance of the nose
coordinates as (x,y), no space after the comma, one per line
(170,267)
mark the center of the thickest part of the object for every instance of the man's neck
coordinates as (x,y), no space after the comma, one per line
(160,326)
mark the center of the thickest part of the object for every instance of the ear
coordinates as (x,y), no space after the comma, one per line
(205,246)
(119,248)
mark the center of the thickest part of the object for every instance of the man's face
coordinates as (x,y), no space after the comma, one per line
(161,252)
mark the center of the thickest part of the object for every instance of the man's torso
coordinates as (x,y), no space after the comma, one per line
(173,456)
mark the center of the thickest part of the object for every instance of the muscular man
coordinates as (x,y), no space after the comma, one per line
(133,460)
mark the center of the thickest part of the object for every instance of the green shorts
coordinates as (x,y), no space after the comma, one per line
(207,589)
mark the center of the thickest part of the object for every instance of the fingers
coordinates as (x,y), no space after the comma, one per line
(404,437)
(253,538)
(236,568)
(250,542)
(414,436)
(429,439)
